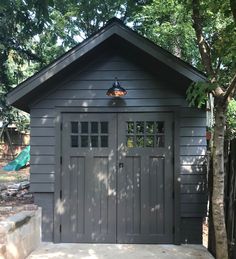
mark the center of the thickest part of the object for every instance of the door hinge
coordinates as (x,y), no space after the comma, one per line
(60,194)
(61,160)
(61,126)
(60,228)
(173,229)
(173,195)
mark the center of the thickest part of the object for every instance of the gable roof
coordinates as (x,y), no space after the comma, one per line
(20,95)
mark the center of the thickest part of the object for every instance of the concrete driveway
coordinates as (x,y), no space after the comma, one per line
(120,251)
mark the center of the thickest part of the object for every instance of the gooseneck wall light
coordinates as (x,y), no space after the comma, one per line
(116,90)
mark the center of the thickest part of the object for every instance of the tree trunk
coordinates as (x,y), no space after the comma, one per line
(218,182)
(211,232)
(231,191)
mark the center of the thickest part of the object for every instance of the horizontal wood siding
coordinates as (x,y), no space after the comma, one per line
(41,186)
(42,151)
(88,89)
(193,184)
(191,230)
(124,102)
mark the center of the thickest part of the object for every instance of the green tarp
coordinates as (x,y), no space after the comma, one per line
(21,160)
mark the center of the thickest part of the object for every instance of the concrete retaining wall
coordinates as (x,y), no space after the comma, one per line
(21,233)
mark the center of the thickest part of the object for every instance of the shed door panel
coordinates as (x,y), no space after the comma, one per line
(88,178)
(144,202)
(117,176)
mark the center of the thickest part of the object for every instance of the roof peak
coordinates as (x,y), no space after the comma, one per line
(115,27)
(115,20)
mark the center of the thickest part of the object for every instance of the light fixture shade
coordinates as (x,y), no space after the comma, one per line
(116,90)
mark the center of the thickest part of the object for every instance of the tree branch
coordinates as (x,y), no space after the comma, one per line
(203,46)
(218,66)
(218,91)
(233,9)
(15,45)
(231,89)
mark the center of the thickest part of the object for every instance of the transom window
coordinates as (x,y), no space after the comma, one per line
(145,134)
(89,134)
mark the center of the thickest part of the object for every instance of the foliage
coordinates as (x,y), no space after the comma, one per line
(219,30)
(83,18)
(197,93)
(231,119)
(20,21)
(169,24)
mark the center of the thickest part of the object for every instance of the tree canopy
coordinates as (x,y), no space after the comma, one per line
(34,33)
(20,21)
(173,28)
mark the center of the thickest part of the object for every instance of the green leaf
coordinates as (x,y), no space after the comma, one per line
(197,93)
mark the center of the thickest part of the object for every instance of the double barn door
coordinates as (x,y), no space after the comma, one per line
(117,178)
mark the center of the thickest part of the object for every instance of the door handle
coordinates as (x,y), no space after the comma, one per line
(121,165)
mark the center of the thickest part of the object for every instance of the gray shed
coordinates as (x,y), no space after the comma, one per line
(109,169)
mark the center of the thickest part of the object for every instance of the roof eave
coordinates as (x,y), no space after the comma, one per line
(115,28)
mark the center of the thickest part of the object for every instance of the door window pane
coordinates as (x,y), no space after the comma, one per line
(104,141)
(139,127)
(160,141)
(150,127)
(150,141)
(84,141)
(130,127)
(94,127)
(130,141)
(84,127)
(140,141)
(160,126)
(89,134)
(74,127)
(104,127)
(74,141)
(94,141)
(145,134)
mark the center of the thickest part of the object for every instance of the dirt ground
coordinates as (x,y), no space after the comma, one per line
(13,176)
(13,204)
